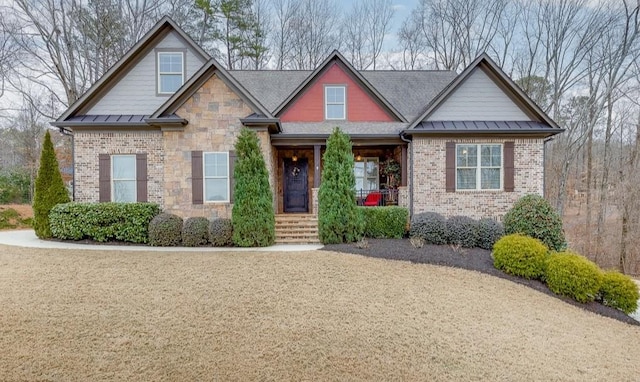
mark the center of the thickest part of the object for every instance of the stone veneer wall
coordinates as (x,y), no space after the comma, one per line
(214,113)
(89,144)
(429,193)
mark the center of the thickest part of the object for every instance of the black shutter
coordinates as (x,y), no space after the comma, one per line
(232,166)
(196,178)
(104,177)
(450,167)
(141,177)
(509,169)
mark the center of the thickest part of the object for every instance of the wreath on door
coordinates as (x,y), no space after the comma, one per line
(295,171)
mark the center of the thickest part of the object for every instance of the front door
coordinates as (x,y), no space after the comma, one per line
(296,191)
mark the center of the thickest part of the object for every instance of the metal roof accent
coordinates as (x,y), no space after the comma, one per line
(483,127)
(104,120)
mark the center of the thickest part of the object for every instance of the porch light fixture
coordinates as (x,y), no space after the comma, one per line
(358,157)
(294,157)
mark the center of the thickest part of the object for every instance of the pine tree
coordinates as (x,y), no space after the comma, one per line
(253,217)
(49,189)
(338,219)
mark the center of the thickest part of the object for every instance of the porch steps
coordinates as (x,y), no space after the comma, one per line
(297,229)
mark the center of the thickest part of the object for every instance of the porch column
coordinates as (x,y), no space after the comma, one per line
(316,164)
(403,167)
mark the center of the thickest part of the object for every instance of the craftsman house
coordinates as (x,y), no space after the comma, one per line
(161,124)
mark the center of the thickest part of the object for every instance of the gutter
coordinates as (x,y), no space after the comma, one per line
(69,133)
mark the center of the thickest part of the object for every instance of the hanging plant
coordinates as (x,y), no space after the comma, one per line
(390,168)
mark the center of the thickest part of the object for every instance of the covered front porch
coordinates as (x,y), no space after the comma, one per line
(380,168)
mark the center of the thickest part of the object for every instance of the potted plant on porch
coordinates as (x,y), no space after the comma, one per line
(390,168)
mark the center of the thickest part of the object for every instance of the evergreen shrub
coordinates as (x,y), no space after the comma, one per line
(165,230)
(430,226)
(221,232)
(338,218)
(619,291)
(533,216)
(574,276)
(253,216)
(49,189)
(195,232)
(488,231)
(385,222)
(520,256)
(462,231)
(128,222)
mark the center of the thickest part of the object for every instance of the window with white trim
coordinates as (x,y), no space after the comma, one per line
(123,178)
(170,71)
(479,167)
(366,174)
(216,177)
(334,102)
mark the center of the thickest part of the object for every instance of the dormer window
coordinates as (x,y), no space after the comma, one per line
(334,102)
(170,71)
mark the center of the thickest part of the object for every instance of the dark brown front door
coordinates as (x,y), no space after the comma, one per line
(296,185)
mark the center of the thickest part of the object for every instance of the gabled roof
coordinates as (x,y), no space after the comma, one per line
(510,87)
(336,56)
(109,79)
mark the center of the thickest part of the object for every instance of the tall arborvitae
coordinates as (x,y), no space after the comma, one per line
(338,217)
(253,217)
(49,189)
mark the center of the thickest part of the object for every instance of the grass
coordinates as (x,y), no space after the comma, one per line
(103,315)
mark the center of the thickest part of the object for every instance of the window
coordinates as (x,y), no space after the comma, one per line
(123,178)
(366,173)
(334,97)
(170,71)
(216,177)
(478,162)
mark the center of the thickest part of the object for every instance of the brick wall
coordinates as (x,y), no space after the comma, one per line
(429,194)
(89,144)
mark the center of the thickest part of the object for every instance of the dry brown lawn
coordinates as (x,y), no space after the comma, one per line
(106,315)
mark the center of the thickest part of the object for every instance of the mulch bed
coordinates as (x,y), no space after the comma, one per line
(474,259)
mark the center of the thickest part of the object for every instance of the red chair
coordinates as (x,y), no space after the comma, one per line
(373,199)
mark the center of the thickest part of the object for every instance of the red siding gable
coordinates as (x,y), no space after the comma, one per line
(309,106)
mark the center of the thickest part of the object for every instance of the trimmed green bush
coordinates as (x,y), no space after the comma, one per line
(102,222)
(195,232)
(221,232)
(619,291)
(430,226)
(462,231)
(521,256)
(533,216)
(49,189)
(338,218)
(488,231)
(165,230)
(385,222)
(572,275)
(254,222)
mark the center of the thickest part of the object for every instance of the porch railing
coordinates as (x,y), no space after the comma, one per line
(372,198)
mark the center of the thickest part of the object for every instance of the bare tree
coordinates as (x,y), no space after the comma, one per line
(365,28)
(285,13)
(412,43)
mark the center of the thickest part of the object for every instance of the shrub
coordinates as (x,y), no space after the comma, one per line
(430,226)
(384,222)
(127,222)
(165,230)
(252,215)
(338,218)
(619,291)
(533,216)
(221,232)
(520,256)
(49,189)
(488,231)
(572,275)
(462,230)
(195,232)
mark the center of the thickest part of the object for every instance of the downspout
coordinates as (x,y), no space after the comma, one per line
(544,165)
(410,172)
(69,133)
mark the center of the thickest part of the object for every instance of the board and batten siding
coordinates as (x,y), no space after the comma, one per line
(478,98)
(135,93)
